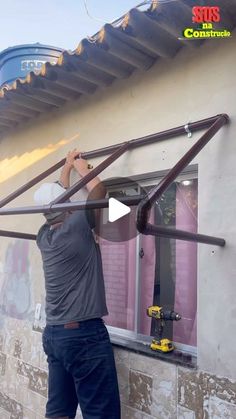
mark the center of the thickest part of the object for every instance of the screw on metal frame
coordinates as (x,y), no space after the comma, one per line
(189,133)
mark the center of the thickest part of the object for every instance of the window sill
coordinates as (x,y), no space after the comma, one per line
(175,357)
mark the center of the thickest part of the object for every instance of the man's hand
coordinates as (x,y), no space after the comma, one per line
(95,187)
(81,165)
(68,166)
(70,158)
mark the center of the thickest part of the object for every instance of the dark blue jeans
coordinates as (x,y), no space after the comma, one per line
(81,370)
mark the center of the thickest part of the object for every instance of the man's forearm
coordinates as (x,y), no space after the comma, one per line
(95,187)
(65,176)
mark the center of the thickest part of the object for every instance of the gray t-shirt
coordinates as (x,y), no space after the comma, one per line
(73,270)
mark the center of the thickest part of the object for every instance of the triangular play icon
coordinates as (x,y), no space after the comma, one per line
(117,210)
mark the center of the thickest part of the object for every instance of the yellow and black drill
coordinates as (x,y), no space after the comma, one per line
(161,315)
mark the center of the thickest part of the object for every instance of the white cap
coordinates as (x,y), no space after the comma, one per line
(47,192)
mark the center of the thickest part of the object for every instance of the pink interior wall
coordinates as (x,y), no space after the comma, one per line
(119,274)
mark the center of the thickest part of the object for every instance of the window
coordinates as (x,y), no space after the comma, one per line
(148,270)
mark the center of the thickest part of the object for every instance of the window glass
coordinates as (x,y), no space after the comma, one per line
(168,268)
(120,277)
(162,272)
(119,267)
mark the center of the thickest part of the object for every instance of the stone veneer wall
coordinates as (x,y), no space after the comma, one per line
(149,388)
(155,389)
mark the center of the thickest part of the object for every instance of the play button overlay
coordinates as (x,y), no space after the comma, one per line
(117,222)
(117,210)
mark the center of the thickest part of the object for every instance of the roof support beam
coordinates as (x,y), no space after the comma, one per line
(145,205)
(137,142)
(69,206)
(155,193)
(17,235)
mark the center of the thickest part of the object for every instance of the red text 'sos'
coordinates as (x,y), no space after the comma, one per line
(205,14)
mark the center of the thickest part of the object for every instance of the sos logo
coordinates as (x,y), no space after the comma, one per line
(203,14)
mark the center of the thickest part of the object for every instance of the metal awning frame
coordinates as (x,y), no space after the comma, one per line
(212,124)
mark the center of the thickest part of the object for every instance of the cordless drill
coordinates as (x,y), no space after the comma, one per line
(161,315)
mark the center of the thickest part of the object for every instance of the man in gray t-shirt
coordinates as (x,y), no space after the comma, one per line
(75,340)
(73,271)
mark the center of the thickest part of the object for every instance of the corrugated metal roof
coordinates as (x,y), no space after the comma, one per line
(133,42)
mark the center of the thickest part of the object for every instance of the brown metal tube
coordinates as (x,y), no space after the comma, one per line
(31,183)
(137,142)
(156,137)
(144,207)
(17,235)
(70,206)
(186,159)
(161,231)
(145,203)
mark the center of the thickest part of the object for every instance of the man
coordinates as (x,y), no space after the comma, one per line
(75,339)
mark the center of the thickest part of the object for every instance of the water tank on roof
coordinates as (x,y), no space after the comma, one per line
(17,62)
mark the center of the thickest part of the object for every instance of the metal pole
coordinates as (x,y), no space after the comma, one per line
(31,183)
(137,142)
(17,235)
(168,232)
(144,207)
(70,206)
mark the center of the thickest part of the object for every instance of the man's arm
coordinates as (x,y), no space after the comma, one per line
(95,187)
(64,180)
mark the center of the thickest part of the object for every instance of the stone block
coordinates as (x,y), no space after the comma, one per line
(164,395)
(184,413)
(140,391)
(219,409)
(37,378)
(28,414)
(197,388)
(122,366)
(11,406)
(8,382)
(4,414)
(151,366)
(3,358)
(130,413)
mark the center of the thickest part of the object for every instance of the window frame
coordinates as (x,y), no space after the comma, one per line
(146,179)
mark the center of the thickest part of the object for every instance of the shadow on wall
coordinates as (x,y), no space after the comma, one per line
(15,295)
(12,166)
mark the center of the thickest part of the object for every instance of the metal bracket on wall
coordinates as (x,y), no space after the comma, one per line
(186,127)
(213,124)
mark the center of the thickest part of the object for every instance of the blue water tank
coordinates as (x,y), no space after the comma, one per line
(18,61)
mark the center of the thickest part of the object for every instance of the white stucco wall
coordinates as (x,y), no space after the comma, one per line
(196,84)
